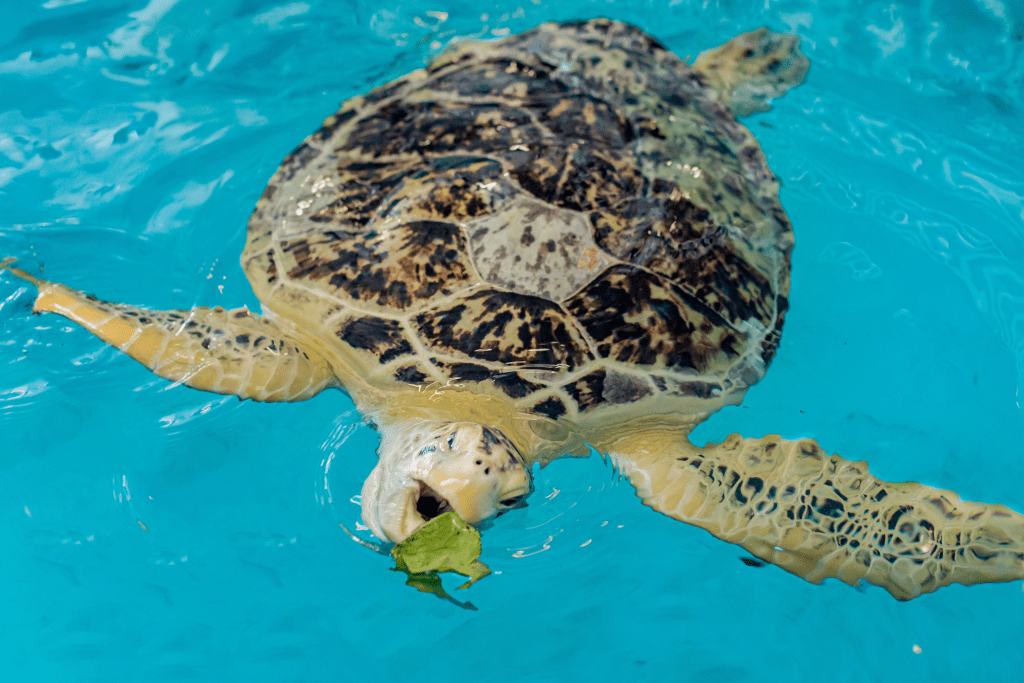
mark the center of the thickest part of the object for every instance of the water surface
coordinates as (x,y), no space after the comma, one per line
(158,533)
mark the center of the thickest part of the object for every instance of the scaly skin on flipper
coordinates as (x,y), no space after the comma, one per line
(213,349)
(753,68)
(819,516)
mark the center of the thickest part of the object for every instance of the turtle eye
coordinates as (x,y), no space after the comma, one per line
(451,441)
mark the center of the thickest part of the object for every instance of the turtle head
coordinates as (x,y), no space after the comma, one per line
(428,468)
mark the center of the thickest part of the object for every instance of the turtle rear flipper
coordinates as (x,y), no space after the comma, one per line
(753,68)
(212,349)
(819,516)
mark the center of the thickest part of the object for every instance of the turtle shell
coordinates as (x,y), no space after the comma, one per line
(566,217)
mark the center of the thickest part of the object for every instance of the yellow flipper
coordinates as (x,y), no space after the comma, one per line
(212,349)
(752,69)
(819,516)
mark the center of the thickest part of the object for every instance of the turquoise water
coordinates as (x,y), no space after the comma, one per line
(157,533)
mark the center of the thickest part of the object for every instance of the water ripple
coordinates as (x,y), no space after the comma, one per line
(135,137)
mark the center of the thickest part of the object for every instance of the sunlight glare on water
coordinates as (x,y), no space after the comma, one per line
(153,532)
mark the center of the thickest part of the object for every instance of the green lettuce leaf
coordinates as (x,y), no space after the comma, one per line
(444,544)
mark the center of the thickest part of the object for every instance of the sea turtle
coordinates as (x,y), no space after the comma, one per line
(539,245)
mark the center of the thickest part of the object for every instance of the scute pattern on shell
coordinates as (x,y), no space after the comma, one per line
(566,215)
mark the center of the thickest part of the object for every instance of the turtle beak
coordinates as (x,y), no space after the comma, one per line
(473,496)
(407,521)
(422,504)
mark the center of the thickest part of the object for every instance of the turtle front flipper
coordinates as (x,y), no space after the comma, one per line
(820,516)
(212,349)
(753,68)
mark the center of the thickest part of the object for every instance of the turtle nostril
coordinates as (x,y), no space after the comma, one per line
(479,462)
(487,470)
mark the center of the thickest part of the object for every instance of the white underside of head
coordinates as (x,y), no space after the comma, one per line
(428,467)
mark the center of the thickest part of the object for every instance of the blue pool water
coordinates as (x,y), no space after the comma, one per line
(152,533)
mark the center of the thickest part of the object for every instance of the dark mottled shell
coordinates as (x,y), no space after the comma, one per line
(566,216)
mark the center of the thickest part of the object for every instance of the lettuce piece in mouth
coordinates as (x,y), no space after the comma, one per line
(444,544)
